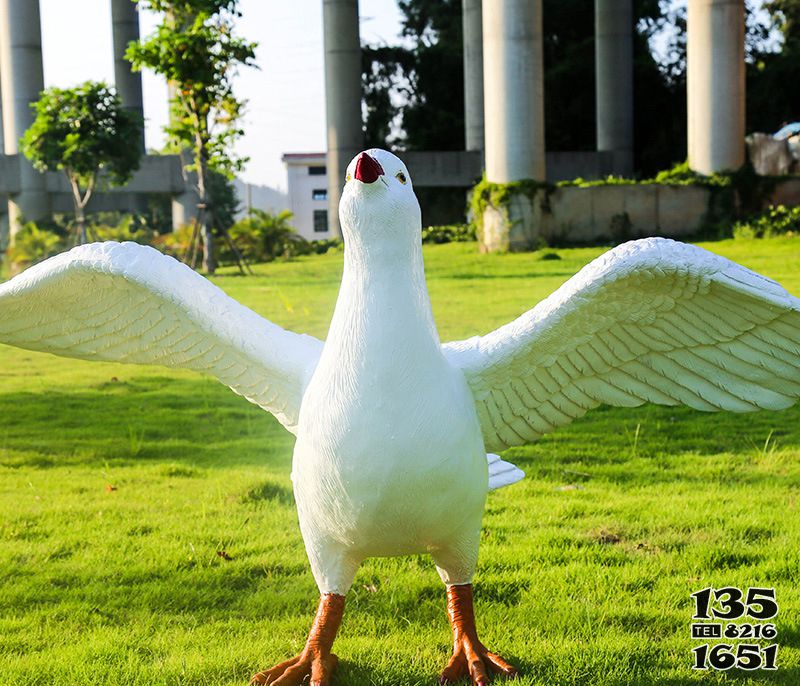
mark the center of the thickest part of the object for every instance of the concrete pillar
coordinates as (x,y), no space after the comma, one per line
(513,88)
(473,74)
(715,85)
(184,209)
(125,29)
(2,140)
(342,96)
(3,197)
(613,30)
(184,205)
(22,79)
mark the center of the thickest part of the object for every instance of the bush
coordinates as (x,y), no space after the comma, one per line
(32,245)
(326,245)
(776,220)
(263,236)
(176,243)
(127,228)
(451,233)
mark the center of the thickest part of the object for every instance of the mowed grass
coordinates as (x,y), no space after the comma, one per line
(586,566)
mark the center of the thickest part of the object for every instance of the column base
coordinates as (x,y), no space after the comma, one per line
(514,225)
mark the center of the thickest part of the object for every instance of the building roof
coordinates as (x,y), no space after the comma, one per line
(303,157)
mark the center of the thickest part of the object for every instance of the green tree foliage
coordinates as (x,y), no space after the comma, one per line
(772,50)
(84,131)
(772,96)
(658,89)
(417,90)
(31,245)
(194,48)
(265,236)
(413,93)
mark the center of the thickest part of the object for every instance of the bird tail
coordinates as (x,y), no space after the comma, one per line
(502,473)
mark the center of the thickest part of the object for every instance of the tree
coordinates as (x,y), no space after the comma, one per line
(772,54)
(413,93)
(776,63)
(417,90)
(86,133)
(195,48)
(265,236)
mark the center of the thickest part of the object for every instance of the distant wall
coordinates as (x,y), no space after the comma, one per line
(464,168)
(443,179)
(608,213)
(259,197)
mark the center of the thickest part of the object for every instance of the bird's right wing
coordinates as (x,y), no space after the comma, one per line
(125,302)
(650,321)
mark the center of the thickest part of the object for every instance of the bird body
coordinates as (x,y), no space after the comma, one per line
(392,426)
(389,458)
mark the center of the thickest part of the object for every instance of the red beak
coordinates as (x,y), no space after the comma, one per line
(367,169)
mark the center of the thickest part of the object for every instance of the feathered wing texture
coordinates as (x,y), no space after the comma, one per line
(125,302)
(652,320)
(502,473)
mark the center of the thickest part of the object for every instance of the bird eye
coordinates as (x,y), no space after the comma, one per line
(347,178)
(401,177)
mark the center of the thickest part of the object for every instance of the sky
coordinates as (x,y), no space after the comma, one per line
(285,109)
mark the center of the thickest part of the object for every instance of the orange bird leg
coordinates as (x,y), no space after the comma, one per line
(316,662)
(470,657)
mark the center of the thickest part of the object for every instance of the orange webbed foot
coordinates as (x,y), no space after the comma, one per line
(470,658)
(309,665)
(316,663)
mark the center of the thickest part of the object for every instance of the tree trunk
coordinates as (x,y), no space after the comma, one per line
(80,218)
(209,261)
(78,203)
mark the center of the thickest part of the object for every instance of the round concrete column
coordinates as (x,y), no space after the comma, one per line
(22,79)
(513,88)
(715,85)
(184,209)
(613,30)
(342,96)
(125,29)
(473,74)
(184,204)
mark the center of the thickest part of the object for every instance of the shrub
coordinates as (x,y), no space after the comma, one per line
(776,220)
(32,245)
(451,233)
(176,243)
(263,236)
(127,228)
(326,245)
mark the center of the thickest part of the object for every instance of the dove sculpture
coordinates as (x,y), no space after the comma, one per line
(393,427)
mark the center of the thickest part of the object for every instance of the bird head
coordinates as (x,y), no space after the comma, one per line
(378,205)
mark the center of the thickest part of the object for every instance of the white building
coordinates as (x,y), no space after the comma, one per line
(257,197)
(308,193)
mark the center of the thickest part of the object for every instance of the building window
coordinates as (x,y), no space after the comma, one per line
(320,221)
(319,194)
(317,170)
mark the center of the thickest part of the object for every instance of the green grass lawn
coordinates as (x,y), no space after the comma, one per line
(586,565)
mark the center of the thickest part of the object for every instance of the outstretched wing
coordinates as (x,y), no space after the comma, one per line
(125,302)
(649,321)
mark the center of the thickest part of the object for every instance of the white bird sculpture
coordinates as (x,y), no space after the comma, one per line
(392,427)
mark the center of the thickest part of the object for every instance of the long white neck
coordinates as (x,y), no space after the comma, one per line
(383,306)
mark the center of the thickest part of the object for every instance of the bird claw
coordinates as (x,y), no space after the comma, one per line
(310,664)
(472,659)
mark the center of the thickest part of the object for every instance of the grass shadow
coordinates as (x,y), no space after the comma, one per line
(149,419)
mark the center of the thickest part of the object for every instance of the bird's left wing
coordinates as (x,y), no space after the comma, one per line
(125,302)
(649,321)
